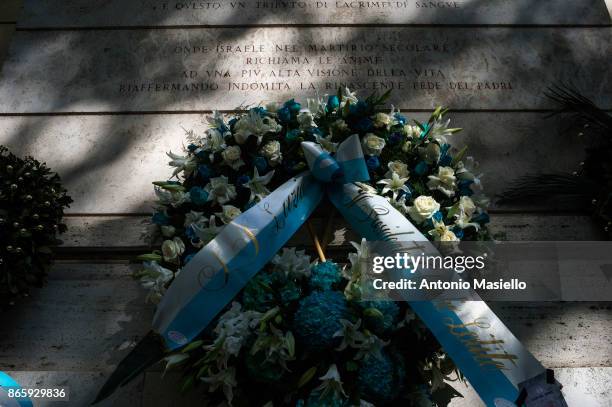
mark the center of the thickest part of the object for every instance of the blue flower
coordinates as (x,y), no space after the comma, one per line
(421,168)
(395,138)
(261,164)
(372,162)
(363,124)
(243,179)
(260,110)
(198,195)
(188,258)
(400,118)
(481,218)
(445,157)
(324,275)
(359,109)
(388,309)
(464,187)
(259,293)
(437,216)
(232,121)
(284,115)
(160,219)
(332,103)
(293,134)
(205,172)
(317,398)
(380,379)
(293,106)
(318,318)
(191,234)
(458,232)
(192,147)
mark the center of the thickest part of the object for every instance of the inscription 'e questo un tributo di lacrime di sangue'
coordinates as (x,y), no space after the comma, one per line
(377,66)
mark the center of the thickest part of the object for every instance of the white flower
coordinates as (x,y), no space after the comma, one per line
(213,140)
(382,120)
(423,208)
(463,211)
(172,249)
(182,163)
(219,190)
(442,233)
(444,181)
(305,119)
(168,230)
(271,151)
(229,213)
(316,106)
(154,278)
(326,143)
(272,107)
(339,125)
(173,198)
(412,132)
(430,153)
(194,218)
(407,146)
(440,130)
(394,185)
(204,233)
(216,120)
(293,262)
(399,204)
(224,379)
(372,144)
(258,183)
(331,382)
(348,96)
(232,157)
(253,124)
(359,269)
(278,347)
(397,167)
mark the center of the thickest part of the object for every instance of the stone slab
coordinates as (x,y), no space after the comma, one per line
(105,13)
(223,68)
(86,318)
(125,232)
(9,10)
(108,162)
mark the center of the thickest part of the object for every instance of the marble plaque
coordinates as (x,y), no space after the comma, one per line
(204,69)
(108,162)
(105,13)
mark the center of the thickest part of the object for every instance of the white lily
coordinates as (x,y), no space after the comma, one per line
(219,190)
(224,379)
(207,233)
(292,261)
(257,185)
(394,185)
(173,198)
(442,233)
(331,383)
(228,213)
(326,143)
(253,124)
(444,181)
(181,163)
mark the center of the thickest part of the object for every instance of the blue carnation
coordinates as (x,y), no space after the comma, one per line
(243,179)
(332,103)
(261,111)
(437,216)
(205,172)
(259,293)
(458,232)
(331,399)
(395,138)
(318,318)
(481,218)
(380,379)
(284,115)
(293,134)
(293,106)
(324,275)
(373,162)
(464,187)
(359,109)
(389,311)
(198,195)
(261,164)
(160,219)
(421,168)
(192,147)
(400,118)
(363,125)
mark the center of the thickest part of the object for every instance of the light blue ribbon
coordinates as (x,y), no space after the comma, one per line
(217,273)
(7,382)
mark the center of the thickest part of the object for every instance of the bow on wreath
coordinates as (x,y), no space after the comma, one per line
(493,360)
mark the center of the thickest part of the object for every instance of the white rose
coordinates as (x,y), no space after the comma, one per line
(448,236)
(306,120)
(467,205)
(272,107)
(229,213)
(231,156)
(168,231)
(382,120)
(407,146)
(423,208)
(397,167)
(340,125)
(444,181)
(412,131)
(442,233)
(372,144)
(271,151)
(171,249)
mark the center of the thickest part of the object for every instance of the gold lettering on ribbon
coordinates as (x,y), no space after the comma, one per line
(250,235)
(487,352)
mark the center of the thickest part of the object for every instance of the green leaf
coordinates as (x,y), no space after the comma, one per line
(149,257)
(290,343)
(187,384)
(193,345)
(374,313)
(459,156)
(352,366)
(307,376)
